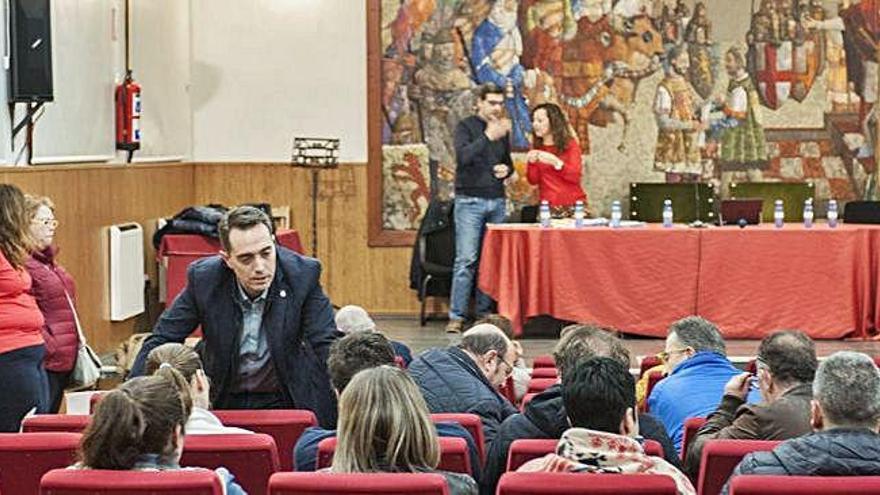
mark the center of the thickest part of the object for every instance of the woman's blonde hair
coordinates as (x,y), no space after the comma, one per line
(384,425)
(180,357)
(16,241)
(33,204)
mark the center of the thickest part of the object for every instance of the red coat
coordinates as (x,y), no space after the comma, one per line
(20,318)
(59,331)
(559,187)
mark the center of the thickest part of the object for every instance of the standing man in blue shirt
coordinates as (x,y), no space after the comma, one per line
(482,153)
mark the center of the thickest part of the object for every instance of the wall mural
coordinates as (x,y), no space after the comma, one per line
(652,90)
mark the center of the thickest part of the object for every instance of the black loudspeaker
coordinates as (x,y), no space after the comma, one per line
(792,194)
(689,201)
(862,212)
(30,37)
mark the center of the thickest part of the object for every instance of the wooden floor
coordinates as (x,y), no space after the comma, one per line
(407,330)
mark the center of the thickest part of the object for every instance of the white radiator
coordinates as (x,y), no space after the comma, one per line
(126,271)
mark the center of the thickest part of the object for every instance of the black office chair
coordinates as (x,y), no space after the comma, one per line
(862,212)
(434,254)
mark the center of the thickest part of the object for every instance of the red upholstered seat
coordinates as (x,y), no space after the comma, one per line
(26,457)
(691,427)
(545,361)
(719,459)
(800,485)
(104,482)
(524,450)
(470,422)
(70,423)
(284,425)
(585,484)
(251,458)
(95,398)
(453,455)
(653,379)
(538,385)
(526,399)
(545,373)
(653,447)
(357,484)
(647,363)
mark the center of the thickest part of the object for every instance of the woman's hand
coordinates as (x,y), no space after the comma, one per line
(201,391)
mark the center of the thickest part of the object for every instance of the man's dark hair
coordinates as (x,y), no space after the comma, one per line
(582,342)
(699,334)
(355,352)
(597,393)
(481,342)
(241,218)
(489,89)
(790,355)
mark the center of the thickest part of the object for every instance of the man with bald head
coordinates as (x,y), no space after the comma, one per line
(465,378)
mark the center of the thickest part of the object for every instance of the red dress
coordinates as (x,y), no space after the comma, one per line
(559,187)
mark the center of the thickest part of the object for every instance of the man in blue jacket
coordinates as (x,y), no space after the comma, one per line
(266,323)
(697,371)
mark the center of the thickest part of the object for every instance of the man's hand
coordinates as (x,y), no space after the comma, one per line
(497,129)
(738,386)
(500,170)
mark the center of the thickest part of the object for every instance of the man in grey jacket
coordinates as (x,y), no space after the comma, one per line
(845,415)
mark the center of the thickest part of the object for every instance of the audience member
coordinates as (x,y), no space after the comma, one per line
(545,416)
(55,293)
(22,349)
(465,378)
(266,323)
(521,373)
(786,365)
(185,360)
(140,426)
(600,402)
(349,355)
(697,371)
(845,414)
(353,318)
(384,427)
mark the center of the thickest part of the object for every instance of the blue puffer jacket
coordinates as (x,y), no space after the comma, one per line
(451,382)
(837,452)
(693,389)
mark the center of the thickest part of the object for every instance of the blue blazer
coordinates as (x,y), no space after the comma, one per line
(298,321)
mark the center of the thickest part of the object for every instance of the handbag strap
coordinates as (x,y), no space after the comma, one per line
(79,331)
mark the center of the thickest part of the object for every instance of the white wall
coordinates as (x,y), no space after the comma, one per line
(264,71)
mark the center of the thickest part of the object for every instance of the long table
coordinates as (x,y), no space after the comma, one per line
(749,281)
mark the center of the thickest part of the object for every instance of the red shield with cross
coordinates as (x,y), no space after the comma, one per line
(785,70)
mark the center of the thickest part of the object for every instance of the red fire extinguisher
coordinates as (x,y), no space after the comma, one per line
(128,115)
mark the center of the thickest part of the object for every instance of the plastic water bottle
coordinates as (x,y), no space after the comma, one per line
(832,213)
(808,214)
(544,214)
(616,214)
(578,214)
(778,214)
(667,213)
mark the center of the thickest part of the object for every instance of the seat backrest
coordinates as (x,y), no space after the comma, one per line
(70,423)
(653,379)
(654,448)
(545,373)
(251,458)
(284,425)
(719,459)
(526,449)
(453,455)
(541,384)
(799,485)
(526,399)
(470,422)
(691,427)
(357,484)
(105,482)
(26,457)
(862,212)
(647,363)
(585,484)
(544,361)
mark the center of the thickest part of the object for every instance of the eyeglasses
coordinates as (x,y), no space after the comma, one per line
(495,103)
(509,366)
(46,222)
(665,355)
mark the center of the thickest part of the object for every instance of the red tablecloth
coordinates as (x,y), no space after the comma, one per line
(750,282)
(177,251)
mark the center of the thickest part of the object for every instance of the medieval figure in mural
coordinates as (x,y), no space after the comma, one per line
(838,91)
(675,110)
(444,98)
(469,15)
(495,55)
(861,38)
(697,35)
(739,133)
(593,10)
(547,23)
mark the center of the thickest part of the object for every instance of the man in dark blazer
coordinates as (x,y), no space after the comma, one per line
(266,323)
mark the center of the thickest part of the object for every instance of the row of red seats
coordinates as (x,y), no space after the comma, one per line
(96,482)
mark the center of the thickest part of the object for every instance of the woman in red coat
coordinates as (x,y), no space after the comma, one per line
(554,163)
(21,344)
(51,287)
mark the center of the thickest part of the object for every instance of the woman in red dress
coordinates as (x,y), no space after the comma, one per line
(554,162)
